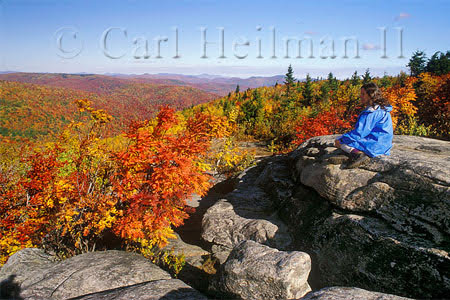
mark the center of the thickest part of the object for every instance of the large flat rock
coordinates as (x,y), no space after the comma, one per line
(38,276)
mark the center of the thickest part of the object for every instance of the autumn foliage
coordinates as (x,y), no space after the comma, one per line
(285,118)
(83,189)
(324,123)
(93,183)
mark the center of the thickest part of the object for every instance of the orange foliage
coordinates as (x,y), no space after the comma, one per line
(402,100)
(79,189)
(326,122)
(158,171)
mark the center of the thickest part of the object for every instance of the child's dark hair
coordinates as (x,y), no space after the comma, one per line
(375,94)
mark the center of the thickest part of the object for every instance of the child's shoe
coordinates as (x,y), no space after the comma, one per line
(357,158)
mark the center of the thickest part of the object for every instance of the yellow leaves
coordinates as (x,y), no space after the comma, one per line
(401,99)
(10,244)
(107,221)
(83,105)
(63,187)
(99,115)
(203,166)
(268,108)
(230,160)
(49,202)
(233,114)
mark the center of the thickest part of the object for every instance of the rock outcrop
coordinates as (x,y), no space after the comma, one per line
(255,271)
(38,276)
(383,227)
(389,224)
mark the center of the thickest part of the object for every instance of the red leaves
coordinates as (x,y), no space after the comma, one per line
(326,122)
(158,172)
(79,189)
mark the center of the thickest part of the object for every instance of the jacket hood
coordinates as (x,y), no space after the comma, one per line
(387,108)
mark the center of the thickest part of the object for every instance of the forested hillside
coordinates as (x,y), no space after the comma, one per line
(31,110)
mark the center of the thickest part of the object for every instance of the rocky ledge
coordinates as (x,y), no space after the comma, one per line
(383,227)
(34,275)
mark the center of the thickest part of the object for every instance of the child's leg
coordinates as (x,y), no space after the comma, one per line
(347,148)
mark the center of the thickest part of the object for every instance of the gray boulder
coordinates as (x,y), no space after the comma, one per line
(349,293)
(245,214)
(40,277)
(223,227)
(255,271)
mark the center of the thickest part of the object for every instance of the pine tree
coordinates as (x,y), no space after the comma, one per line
(366,77)
(355,80)
(289,80)
(308,91)
(439,63)
(333,83)
(325,91)
(385,81)
(417,63)
(237,89)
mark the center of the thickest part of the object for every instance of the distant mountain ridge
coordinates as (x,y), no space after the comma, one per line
(215,84)
(34,104)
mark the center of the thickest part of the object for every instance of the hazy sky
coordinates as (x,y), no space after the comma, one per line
(78,36)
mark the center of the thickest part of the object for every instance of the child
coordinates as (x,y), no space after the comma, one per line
(373,131)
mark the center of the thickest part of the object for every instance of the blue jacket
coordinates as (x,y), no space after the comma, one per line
(373,132)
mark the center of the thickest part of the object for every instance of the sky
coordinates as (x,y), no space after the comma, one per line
(229,38)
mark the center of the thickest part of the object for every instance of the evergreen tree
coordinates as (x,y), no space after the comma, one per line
(325,91)
(251,109)
(227,106)
(355,80)
(439,63)
(255,94)
(289,80)
(308,91)
(237,89)
(417,63)
(366,77)
(385,81)
(333,83)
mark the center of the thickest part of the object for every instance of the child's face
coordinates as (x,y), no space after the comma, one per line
(365,98)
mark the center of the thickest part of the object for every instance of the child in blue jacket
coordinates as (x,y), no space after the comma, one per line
(373,131)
